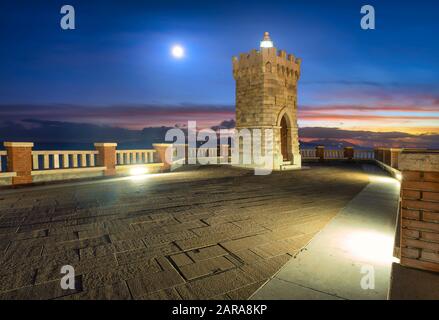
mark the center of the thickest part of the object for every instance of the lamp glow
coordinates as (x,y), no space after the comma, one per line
(137,171)
(266,42)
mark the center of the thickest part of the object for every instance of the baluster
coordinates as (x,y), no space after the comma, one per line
(83,160)
(56,161)
(75,160)
(35,163)
(128,157)
(45,161)
(65,160)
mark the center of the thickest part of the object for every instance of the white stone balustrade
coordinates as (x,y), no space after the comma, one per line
(308,153)
(46,160)
(52,165)
(334,154)
(207,152)
(364,154)
(140,156)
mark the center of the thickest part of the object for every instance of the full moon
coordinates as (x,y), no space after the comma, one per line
(177,51)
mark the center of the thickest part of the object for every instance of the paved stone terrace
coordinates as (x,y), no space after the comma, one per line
(210,233)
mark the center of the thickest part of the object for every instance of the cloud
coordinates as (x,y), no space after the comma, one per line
(145,124)
(65,134)
(128,116)
(36,130)
(336,136)
(369,108)
(356,83)
(420,112)
(226,124)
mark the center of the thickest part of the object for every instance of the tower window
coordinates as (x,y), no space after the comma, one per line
(268,67)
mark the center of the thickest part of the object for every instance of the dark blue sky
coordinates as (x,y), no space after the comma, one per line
(119,55)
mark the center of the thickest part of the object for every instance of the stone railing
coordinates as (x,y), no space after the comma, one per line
(388,156)
(46,160)
(203,154)
(321,153)
(308,153)
(19,164)
(138,156)
(364,154)
(25,165)
(333,154)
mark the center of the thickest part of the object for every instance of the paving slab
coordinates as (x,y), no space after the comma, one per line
(358,242)
(208,233)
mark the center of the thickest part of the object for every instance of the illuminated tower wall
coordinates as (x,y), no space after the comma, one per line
(266,97)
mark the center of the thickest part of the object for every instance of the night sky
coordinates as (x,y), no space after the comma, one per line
(116,67)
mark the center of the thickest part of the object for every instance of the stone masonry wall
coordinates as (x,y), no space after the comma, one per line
(266,88)
(420,210)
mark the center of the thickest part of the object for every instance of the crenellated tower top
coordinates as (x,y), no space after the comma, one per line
(268,60)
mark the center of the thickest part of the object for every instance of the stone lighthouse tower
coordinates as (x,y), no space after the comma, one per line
(266,98)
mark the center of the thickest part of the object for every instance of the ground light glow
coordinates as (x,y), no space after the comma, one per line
(370,246)
(177,51)
(384,179)
(138,173)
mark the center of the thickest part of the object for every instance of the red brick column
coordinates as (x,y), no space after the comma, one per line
(107,157)
(348,152)
(387,156)
(164,154)
(19,156)
(394,156)
(320,152)
(420,209)
(378,154)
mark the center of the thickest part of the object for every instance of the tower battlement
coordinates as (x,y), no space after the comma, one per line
(266,60)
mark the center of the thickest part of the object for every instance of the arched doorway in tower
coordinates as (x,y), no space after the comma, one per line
(284,138)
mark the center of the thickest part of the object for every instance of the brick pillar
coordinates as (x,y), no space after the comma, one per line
(420,209)
(378,154)
(394,156)
(164,152)
(348,152)
(387,156)
(19,156)
(320,152)
(107,157)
